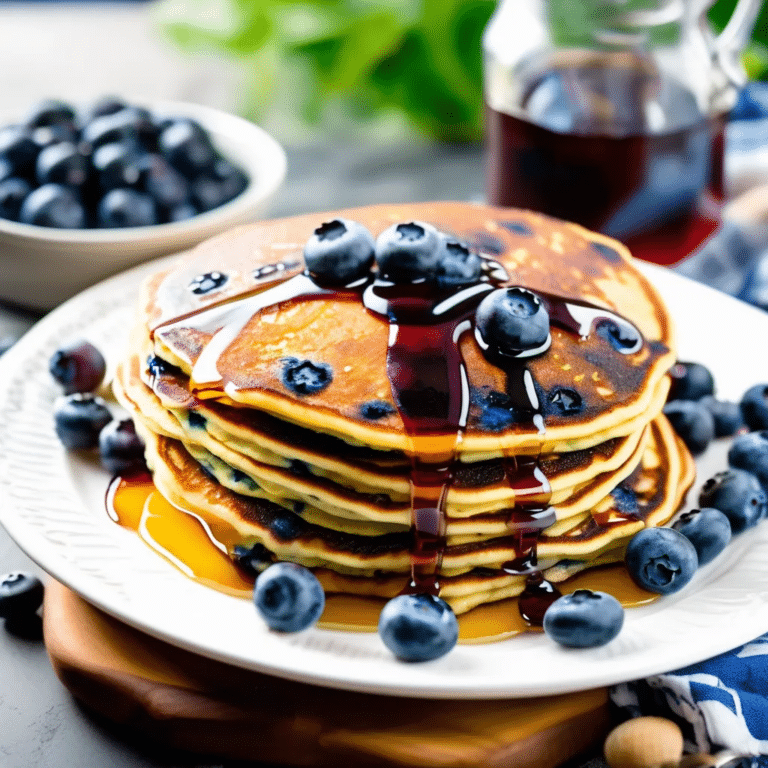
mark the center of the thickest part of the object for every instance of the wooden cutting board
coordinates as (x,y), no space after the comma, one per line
(187,701)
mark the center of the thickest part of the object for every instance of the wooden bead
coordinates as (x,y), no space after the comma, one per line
(644,742)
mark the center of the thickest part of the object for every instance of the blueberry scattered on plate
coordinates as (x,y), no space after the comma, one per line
(693,422)
(78,367)
(754,407)
(727,415)
(79,419)
(121,450)
(708,529)
(288,597)
(750,452)
(584,619)
(690,381)
(661,560)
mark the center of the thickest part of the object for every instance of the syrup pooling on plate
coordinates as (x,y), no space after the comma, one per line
(430,387)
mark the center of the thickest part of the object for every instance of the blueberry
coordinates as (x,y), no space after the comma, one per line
(727,415)
(512,322)
(408,251)
(49,113)
(288,597)
(181,212)
(376,409)
(625,500)
(752,103)
(754,407)
(218,185)
(458,265)
(661,560)
(621,337)
(162,182)
(254,559)
(13,192)
(196,420)
(121,449)
(418,627)
(146,130)
(187,147)
(497,410)
(738,495)
(208,282)
(62,163)
(159,367)
(708,529)
(105,105)
(339,252)
(117,164)
(21,594)
(693,422)
(584,619)
(690,381)
(126,208)
(19,149)
(565,402)
(53,205)
(79,418)
(119,127)
(78,367)
(285,525)
(750,452)
(305,377)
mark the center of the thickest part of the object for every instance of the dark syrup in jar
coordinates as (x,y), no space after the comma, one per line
(587,154)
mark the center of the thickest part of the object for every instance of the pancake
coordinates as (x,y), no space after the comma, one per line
(371,432)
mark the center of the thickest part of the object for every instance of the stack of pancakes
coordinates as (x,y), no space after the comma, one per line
(274,420)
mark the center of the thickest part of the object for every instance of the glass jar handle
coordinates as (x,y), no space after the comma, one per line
(732,40)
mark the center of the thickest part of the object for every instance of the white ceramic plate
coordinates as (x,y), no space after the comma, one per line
(53,506)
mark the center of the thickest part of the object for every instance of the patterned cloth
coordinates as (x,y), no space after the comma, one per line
(719,704)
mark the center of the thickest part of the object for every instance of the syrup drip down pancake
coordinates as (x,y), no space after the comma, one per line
(381,429)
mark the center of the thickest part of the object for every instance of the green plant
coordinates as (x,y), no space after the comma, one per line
(417,58)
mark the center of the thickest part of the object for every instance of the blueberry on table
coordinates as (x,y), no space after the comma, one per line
(121,450)
(21,594)
(690,381)
(727,415)
(79,418)
(754,407)
(693,422)
(62,163)
(78,367)
(457,265)
(661,560)
(584,619)
(187,147)
(116,165)
(53,205)
(409,251)
(288,597)
(708,529)
(339,252)
(512,322)
(13,192)
(126,208)
(738,495)
(418,627)
(750,452)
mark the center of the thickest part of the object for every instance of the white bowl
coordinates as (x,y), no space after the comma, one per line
(40,267)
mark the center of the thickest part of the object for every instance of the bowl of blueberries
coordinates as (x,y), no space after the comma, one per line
(88,192)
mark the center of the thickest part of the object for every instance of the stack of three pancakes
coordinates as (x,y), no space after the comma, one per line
(393,452)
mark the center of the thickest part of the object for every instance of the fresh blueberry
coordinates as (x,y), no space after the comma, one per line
(21,594)
(565,402)
(208,282)
(512,322)
(584,619)
(418,627)
(690,381)
(126,208)
(79,418)
(376,409)
(119,127)
(116,165)
(218,185)
(708,529)
(754,407)
(121,449)
(305,377)
(288,597)
(339,252)
(285,525)
(187,147)
(161,181)
(408,251)
(727,415)
(738,495)
(750,452)
(105,105)
(254,559)
(62,163)
(181,212)
(147,131)
(19,149)
(693,422)
(13,192)
(159,367)
(49,113)
(621,337)
(661,560)
(78,367)
(53,205)
(752,103)
(458,265)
